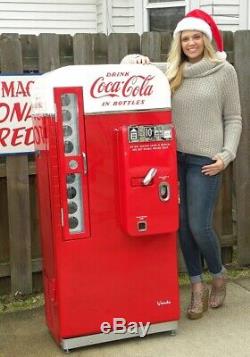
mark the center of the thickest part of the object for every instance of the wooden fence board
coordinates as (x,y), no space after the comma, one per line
(151,45)
(48,50)
(17,187)
(165,45)
(100,48)
(66,50)
(223,216)
(34,219)
(19,224)
(117,47)
(242,163)
(29,45)
(4,222)
(134,42)
(5,270)
(83,47)
(228,39)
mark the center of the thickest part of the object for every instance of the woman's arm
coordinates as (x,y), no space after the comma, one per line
(232,121)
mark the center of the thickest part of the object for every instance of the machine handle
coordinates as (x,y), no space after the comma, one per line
(149,176)
(85,166)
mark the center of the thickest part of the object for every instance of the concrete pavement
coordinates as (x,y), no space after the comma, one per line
(224,332)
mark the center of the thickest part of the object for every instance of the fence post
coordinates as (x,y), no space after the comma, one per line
(166,39)
(223,217)
(117,47)
(48,52)
(17,187)
(228,40)
(242,163)
(66,50)
(83,48)
(100,48)
(151,45)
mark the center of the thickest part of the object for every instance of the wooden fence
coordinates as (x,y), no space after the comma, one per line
(19,225)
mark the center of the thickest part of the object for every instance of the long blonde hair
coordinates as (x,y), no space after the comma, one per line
(176,60)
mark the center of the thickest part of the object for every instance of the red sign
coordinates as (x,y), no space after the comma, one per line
(16,131)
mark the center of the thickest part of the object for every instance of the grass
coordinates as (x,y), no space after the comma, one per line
(18,302)
(233,273)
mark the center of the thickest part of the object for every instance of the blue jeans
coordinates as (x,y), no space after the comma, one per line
(198,195)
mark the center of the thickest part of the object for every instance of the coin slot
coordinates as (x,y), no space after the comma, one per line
(142,226)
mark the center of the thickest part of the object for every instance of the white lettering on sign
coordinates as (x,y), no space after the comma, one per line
(16,130)
(149,146)
(120,326)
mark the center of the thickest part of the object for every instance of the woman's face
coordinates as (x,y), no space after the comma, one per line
(192,45)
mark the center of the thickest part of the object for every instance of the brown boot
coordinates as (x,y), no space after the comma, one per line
(199,303)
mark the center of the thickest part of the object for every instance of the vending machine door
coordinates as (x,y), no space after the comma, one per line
(72,162)
(147,179)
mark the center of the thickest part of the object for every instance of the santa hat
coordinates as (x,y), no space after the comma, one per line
(201,21)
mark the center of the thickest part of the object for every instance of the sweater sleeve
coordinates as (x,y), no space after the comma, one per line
(232,121)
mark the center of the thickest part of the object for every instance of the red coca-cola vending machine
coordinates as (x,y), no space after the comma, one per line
(108,202)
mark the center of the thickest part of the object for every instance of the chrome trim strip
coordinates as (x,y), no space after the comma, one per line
(75,342)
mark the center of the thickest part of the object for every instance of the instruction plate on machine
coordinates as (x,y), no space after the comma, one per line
(145,133)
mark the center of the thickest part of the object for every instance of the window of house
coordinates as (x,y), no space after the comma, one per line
(163,15)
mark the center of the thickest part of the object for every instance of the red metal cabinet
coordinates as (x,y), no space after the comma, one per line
(107,188)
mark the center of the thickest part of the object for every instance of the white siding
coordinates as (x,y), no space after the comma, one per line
(244,15)
(100,16)
(45,16)
(72,16)
(123,16)
(225,12)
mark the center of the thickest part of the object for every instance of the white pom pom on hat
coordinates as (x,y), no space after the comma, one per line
(201,21)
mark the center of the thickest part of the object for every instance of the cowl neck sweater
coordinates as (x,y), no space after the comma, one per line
(206,110)
(201,68)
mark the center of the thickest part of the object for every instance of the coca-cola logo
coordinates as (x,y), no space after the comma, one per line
(133,86)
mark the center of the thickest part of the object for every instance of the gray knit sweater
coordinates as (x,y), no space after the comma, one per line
(206,110)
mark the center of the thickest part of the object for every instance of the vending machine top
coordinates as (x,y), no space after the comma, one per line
(106,88)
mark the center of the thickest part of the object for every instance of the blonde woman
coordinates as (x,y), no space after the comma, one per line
(207,118)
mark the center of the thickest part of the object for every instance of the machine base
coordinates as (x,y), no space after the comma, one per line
(75,342)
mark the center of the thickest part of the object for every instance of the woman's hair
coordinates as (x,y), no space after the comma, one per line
(176,60)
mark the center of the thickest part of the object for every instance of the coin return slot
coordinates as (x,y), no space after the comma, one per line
(142,226)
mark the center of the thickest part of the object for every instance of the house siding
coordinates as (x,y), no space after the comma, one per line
(100,16)
(107,16)
(225,12)
(123,16)
(43,16)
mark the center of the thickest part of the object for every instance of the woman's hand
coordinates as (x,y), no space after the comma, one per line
(142,60)
(215,168)
(135,59)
